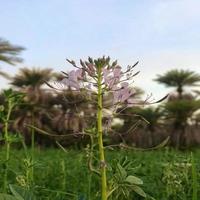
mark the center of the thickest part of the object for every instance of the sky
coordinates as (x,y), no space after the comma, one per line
(160,34)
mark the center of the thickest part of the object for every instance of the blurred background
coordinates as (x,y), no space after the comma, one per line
(38,36)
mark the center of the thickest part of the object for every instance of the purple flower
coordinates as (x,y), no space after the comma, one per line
(72,81)
(106,73)
(111,77)
(126,93)
(117,72)
(122,94)
(79,74)
(124,85)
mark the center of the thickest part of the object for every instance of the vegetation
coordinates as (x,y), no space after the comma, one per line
(166,174)
(179,79)
(45,115)
(9,52)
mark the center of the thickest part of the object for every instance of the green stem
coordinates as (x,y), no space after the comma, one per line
(7,144)
(90,167)
(100,139)
(32,150)
(63,170)
(194,180)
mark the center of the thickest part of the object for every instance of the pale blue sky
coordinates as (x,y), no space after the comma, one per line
(161,34)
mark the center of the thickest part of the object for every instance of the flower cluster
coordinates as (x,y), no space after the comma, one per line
(113,79)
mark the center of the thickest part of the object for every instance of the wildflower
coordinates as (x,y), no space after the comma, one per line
(123,94)
(112,77)
(72,80)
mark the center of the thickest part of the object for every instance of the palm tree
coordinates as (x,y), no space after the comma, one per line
(143,125)
(152,115)
(30,82)
(179,79)
(9,52)
(36,100)
(74,113)
(178,113)
(180,106)
(49,111)
(34,77)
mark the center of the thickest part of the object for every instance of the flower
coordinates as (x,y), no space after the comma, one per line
(72,80)
(122,94)
(112,77)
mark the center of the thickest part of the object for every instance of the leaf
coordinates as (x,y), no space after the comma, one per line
(7,93)
(13,138)
(7,197)
(15,193)
(59,145)
(134,180)
(139,191)
(122,171)
(22,193)
(1,108)
(160,100)
(110,192)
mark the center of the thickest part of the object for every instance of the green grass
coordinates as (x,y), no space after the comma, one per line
(167,174)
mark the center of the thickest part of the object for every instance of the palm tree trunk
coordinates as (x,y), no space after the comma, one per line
(180,92)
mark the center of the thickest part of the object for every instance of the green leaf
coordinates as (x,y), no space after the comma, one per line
(8,92)
(59,145)
(13,138)
(111,191)
(134,180)
(1,108)
(139,191)
(22,193)
(122,171)
(14,191)
(6,197)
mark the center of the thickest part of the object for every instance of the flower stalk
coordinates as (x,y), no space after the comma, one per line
(97,77)
(100,138)
(7,144)
(32,150)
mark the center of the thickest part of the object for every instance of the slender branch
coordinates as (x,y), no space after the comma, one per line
(121,145)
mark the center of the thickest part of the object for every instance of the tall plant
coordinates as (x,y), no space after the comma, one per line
(12,99)
(100,77)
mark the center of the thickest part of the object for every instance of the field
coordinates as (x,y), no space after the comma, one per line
(167,174)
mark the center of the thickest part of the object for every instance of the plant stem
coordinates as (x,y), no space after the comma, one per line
(32,150)
(63,170)
(100,139)
(194,180)
(7,144)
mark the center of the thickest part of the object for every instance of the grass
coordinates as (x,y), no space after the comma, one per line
(167,174)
